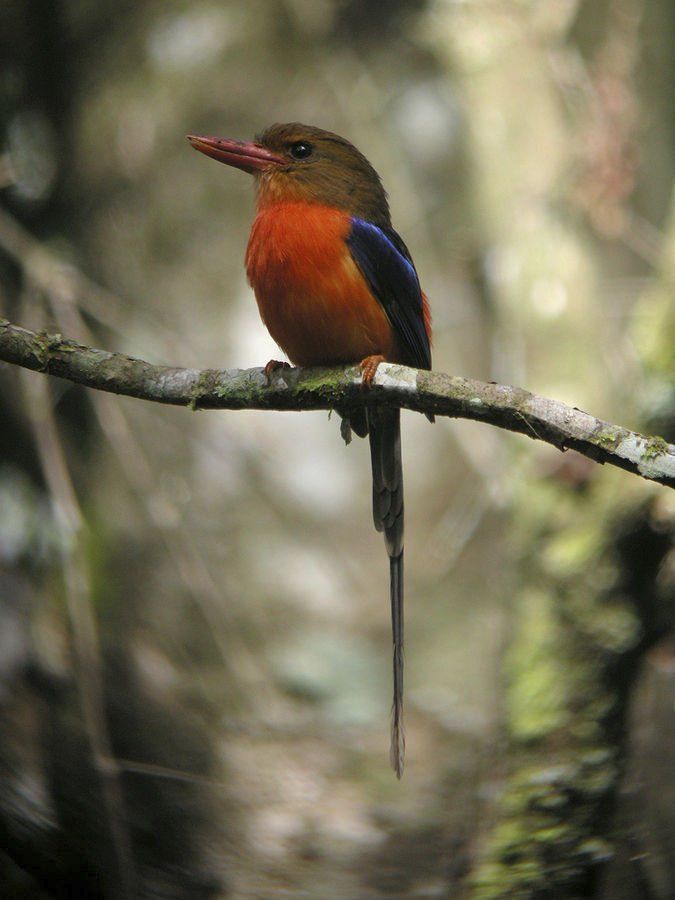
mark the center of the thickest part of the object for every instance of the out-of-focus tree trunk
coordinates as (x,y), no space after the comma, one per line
(557,109)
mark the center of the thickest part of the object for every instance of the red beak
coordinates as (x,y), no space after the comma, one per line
(246,155)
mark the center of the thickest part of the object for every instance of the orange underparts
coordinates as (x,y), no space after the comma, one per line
(311,295)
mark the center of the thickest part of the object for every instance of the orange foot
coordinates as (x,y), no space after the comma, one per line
(368,368)
(272,366)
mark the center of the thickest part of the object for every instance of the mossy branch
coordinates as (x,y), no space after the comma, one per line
(298,389)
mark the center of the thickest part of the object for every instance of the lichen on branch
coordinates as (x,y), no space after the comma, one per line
(513,409)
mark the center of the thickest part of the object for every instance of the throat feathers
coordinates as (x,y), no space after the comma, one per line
(335,284)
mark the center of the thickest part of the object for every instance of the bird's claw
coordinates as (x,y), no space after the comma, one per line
(273,366)
(368,368)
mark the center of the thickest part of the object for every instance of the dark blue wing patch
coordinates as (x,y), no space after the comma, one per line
(384,262)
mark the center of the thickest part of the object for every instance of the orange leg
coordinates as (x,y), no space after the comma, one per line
(272,366)
(368,368)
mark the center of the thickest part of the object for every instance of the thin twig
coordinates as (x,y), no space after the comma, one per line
(77,584)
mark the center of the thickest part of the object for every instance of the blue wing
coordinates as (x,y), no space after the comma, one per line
(385,263)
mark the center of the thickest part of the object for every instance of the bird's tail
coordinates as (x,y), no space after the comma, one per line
(384,426)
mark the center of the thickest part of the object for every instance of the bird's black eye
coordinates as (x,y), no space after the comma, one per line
(301,150)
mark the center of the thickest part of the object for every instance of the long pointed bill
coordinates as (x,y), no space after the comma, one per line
(246,155)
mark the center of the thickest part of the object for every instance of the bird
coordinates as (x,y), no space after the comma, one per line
(335,284)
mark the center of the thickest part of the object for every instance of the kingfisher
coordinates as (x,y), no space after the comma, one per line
(335,284)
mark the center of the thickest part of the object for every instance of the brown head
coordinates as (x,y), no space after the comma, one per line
(295,162)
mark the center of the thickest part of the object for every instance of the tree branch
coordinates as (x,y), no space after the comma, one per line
(298,389)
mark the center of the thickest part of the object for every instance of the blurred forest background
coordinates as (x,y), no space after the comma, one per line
(194,628)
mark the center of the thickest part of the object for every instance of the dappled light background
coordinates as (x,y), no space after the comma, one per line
(201,596)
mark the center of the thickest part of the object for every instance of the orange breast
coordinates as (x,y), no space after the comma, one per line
(311,295)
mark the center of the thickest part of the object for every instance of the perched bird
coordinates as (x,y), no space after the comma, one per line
(336,284)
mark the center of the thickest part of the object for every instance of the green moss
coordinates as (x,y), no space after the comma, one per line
(536,698)
(571,550)
(315,379)
(657,446)
(613,625)
(596,850)
(572,623)
(544,840)
(608,439)
(203,386)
